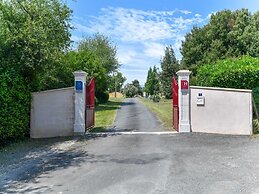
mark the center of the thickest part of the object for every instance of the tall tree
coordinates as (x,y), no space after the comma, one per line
(152,86)
(155,82)
(169,66)
(103,48)
(148,81)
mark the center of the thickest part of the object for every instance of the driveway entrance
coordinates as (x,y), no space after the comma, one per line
(134,116)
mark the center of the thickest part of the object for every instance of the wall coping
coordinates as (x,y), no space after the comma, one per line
(222,89)
(53,90)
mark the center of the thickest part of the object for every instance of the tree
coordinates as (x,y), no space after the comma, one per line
(88,59)
(152,84)
(130,90)
(103,48)
(120,79)
(169,66)
(155,87)
(228,34)
(148,82)
(137,85)
(34,35)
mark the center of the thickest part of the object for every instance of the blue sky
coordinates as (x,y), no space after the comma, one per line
(142,28)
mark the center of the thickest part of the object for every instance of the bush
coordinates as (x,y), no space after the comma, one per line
(15,101)
(156,98)
(240,73)
(130,90)
(102,97)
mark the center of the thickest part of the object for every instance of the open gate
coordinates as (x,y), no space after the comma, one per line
(89,104)
(175,104)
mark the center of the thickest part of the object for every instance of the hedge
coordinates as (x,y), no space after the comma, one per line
(15,98)
(240,73)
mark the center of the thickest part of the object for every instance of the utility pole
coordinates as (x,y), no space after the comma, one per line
(115,84)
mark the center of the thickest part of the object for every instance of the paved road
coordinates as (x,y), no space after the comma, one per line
(179,163)
(134,116)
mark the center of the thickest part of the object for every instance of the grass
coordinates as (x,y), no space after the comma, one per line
(162,109)
(105,114)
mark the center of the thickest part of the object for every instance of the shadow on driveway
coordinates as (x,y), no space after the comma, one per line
(27,161)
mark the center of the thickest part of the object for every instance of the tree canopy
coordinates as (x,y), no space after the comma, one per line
(33,35)
(228,34)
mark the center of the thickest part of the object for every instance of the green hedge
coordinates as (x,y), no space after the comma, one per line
(15,98)
(240,73)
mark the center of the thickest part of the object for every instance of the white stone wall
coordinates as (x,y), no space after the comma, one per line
(226,111)
(52,113)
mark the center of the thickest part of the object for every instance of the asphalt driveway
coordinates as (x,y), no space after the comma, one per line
(176,163)
(134,116)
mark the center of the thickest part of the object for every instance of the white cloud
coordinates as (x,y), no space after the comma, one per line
(154,49)
(135,25)
(141,35)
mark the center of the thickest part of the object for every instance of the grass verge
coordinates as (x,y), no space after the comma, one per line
(105,114)
(162,109)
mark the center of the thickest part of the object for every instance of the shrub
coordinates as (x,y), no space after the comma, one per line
(240,73)
(15,101)
(102,97)
(156,98)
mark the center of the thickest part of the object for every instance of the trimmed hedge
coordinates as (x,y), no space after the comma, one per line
(15,98)
(240,73)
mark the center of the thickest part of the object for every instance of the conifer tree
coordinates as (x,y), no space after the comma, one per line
(169,66)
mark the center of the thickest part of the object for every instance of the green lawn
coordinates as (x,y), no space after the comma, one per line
(105,114)
(162,109)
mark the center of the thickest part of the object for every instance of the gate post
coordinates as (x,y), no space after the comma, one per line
(184,100)
(80,84)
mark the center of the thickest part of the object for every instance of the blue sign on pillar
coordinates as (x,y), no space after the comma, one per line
(79,86)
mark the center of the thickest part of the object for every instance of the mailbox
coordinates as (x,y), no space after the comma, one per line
(79,86)
(200,99)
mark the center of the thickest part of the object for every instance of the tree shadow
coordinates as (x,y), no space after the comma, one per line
(42,162)
(27,165)
(128,103)
(108,106)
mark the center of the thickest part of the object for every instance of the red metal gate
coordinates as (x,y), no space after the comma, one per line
(89,105)
(175,104)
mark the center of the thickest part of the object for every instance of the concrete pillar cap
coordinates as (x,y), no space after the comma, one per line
(79,73)
(183,73)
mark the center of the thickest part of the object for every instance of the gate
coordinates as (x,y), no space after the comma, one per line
(175,104)
(89,104)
